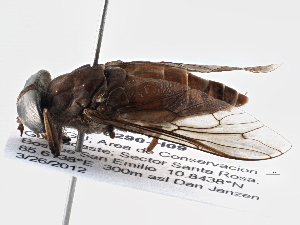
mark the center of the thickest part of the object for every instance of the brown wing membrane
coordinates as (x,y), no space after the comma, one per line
(232,134)
(199,68)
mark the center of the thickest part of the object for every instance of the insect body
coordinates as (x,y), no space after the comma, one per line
(162,100)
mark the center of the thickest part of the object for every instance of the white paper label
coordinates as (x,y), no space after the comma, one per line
(171,169)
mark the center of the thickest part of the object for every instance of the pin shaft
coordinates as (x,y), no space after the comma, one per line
(80,137)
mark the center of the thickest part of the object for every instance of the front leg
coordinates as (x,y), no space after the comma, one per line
(21,126)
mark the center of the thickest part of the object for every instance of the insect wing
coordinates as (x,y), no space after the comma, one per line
(232,134)
(174,112)
(235,134)
(196,67)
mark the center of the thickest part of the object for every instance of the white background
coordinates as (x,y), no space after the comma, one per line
(60,36)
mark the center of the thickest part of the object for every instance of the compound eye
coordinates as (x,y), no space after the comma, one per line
(29,103)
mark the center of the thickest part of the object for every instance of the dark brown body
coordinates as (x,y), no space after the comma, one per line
(161,100)
(149,92)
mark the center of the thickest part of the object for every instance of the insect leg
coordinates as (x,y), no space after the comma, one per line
(110,131)
(21,126)
(65,139)
(152,144)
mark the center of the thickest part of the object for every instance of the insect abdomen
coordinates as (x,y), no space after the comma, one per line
(217,90)
(169,73)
